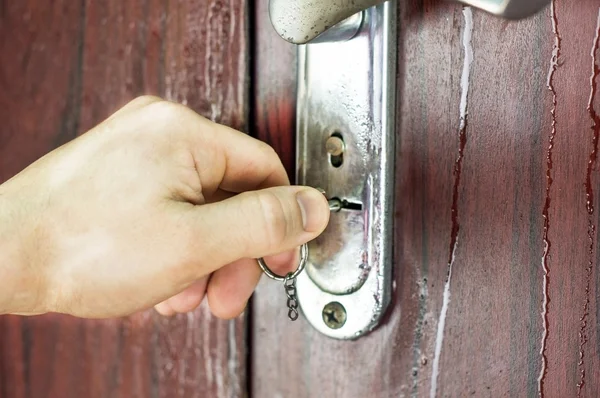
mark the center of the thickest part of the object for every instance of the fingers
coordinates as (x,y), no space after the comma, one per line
(135,104)
(245,163)
(249,163)
(255,224)
(218,196)
(245,218)
(230,287)
(185,301)
(285,262)
(225,158)
(164,308)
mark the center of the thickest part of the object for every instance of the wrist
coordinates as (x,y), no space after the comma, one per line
(22,290)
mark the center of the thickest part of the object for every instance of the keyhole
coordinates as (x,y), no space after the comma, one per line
(335,149)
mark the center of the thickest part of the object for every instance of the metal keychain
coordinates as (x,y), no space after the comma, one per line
(289,281)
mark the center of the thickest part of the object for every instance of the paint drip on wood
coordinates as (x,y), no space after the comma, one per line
(462,137)
(589,195)
(546,210)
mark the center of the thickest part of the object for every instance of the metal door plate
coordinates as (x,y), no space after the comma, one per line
(347,90)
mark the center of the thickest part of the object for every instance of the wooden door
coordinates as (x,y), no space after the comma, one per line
(504,199)
(509,200)
(67,65)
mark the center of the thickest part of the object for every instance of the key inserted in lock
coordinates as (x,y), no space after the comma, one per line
(336,204)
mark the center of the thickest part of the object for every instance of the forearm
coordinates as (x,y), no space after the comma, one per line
(20,288)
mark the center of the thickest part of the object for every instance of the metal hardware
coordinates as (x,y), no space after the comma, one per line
(345,141)
(334,315)
(304,21)
(335,148)
(509,9)
(334,145)
(289,285)
(344,30)
(346,104)
(289,281)
(265,268)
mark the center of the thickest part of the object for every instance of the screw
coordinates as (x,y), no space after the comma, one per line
(334,145)
(334,315)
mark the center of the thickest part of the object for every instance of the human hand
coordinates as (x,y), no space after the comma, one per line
(156,206)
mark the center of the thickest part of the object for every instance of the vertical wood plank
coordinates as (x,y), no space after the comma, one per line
(573,280)
(66,65)
(483,331)
(274,88)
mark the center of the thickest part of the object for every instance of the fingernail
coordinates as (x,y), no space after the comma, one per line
(314,209)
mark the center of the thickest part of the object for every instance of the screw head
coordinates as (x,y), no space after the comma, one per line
(334,315)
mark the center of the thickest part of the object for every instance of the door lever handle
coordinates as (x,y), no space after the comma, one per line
(303,21)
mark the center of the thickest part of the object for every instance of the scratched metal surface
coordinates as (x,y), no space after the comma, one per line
(67,65)
(497,181)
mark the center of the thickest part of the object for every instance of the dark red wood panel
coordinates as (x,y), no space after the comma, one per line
(501,198)
(66,65)
(274,88)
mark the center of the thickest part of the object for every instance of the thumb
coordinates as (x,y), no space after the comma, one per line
(259,223)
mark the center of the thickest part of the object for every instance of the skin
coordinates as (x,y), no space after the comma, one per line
(155,207)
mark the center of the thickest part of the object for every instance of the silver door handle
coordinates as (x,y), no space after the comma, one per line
(302,21)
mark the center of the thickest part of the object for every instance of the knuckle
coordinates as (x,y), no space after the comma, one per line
(271,165)
(143,100)
(167,110)
(268,151)
(274,220)
(174,117)
(65,298)
(168,118)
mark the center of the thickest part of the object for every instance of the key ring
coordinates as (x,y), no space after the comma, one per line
(303,257)
(289,281)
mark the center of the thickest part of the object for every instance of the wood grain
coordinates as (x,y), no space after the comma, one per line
(494,330)
(66,65)
(274,88)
